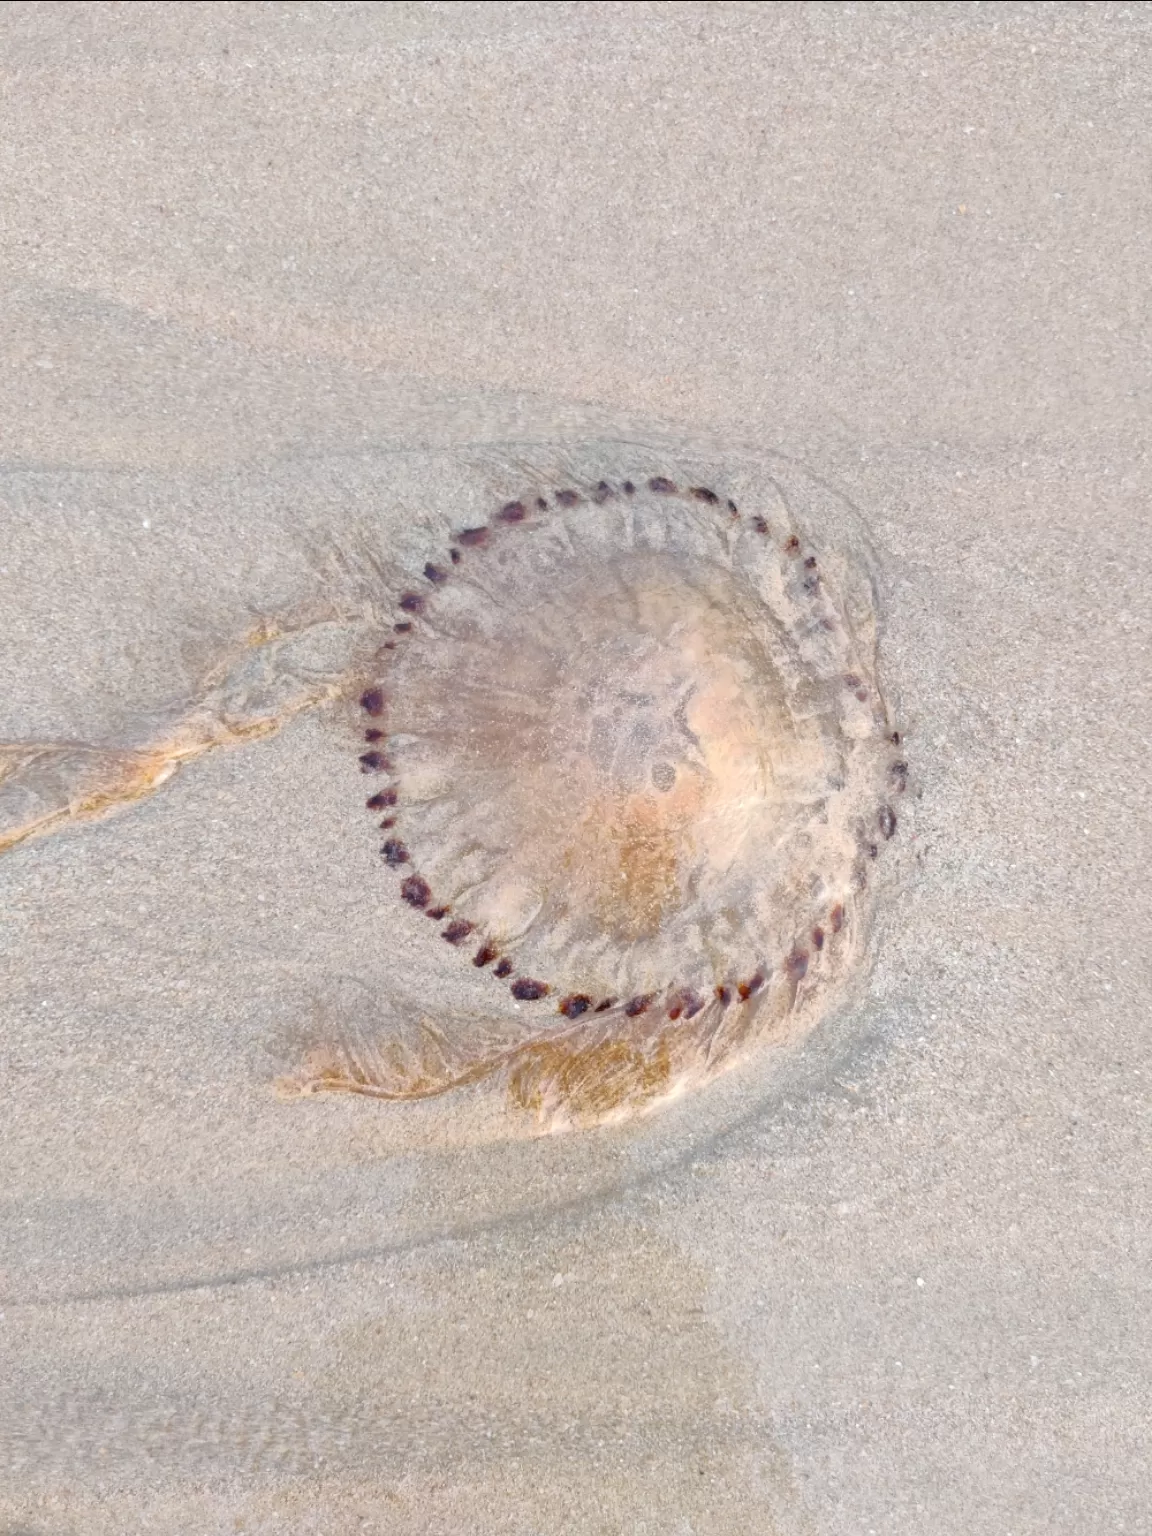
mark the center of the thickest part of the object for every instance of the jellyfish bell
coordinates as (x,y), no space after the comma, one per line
(634,754)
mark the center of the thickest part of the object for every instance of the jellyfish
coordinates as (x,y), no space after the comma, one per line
(613,719)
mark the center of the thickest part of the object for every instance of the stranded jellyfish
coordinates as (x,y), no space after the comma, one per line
(618,736)
(634,767)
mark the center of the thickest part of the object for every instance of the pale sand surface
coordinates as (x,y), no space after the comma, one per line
(256,261)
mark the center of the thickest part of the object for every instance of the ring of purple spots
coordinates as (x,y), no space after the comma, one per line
(682,1002)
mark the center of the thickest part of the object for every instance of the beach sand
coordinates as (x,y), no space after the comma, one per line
(275,275)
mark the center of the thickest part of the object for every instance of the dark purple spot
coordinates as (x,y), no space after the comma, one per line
(402,629)
(525,990)
(811,585)
(412,602)
(454,556)
(817,938)
(602,492)
(873,851)
(471,537)
(895,738)
(792,545)
(886,820)
(746,988)
(605,1005)
(457,931)
(374,735)
(724,996)
(810,563)
(541,504)
(503,969)
(437,913)
(638,1005)
(836,918)
(416,892)
(733,508)
(513,512)
(435,574)
(797,964)
(692,1002)
(898,776)
(484,955)
(387,823)
(372,701)
(373,762)
(663,487)
(760,525)
(378,802)
(572,1007)
(702,493)
(629,488)
(567,498)
(395,853)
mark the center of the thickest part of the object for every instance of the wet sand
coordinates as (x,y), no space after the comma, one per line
(274,276)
